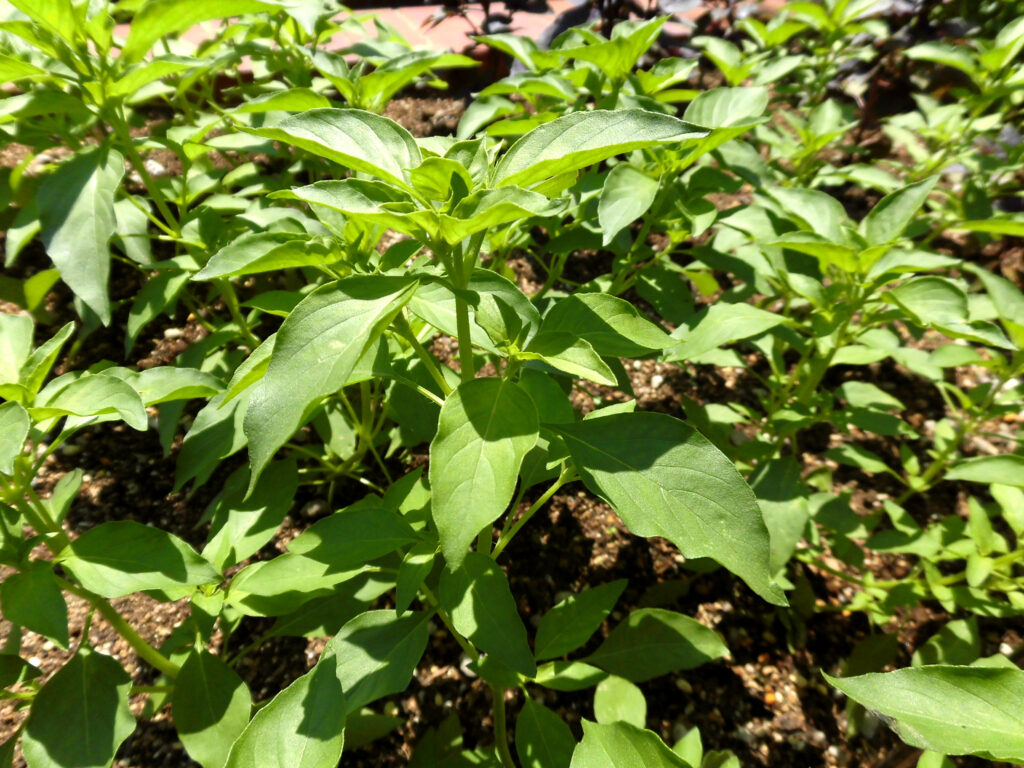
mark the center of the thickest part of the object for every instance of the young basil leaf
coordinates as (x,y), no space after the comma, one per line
(119,557)
(377,653)
(302,727)
(664,478)
(581,139)
(568,353)
(948,709)
(81,716)
(486,428)
(91,395)
(159,18)
(722,324)
(621,745)
(76,210)
(653,641)
(325,336)
(211,708)
(280,586)
(478,598)
(543,740)
(570,624)
(931,300)
(416,566)
(256,252)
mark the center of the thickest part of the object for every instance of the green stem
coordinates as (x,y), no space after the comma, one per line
(406,332)
(128,144)
(145,651)
(234,309)
(567,476)
(468,648)
(500,727)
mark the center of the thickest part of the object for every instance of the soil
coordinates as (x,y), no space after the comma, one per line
(767,701)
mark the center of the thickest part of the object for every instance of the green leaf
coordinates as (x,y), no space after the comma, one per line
(239,527)
(91,395)
(159,18)
(996,225)
(949,55)
(931,300)
(354,536)
(211,708)
(16,333)
(288,100)
(324,337)
(570,624)
(478,598)
(627,194)
(81,716)
(14,426)
(256,252)
(120,557)
(618,700)
(280,586)
(581,139)
(166,383)
(543,740)
(728,107)
(569,675)
(485,429)
(958,642)
(490,208)
(76,210)
(653,641)
(33,600)
(353,138)
(722,324)
(664,478)
(952,710)
(570,354)
(612,326)
(861,394)
(416,566)
(621,745)
(377,653)
(302,727)
(1007,469)
(12,69)
(890,217)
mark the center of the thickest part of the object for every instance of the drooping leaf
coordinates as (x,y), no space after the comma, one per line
(653,641)
(486,428)
(482,608)
(14,426)
(948,709)
(119,557)
(76,210)
(211,708)
(664,478)
(33,600)
(81,716)
(626,196)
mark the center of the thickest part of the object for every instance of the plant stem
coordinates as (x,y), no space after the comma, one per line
(234,309)
(468,648)
(567,476)
(128,144)
(146,651)
(500,728)
(406,332)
